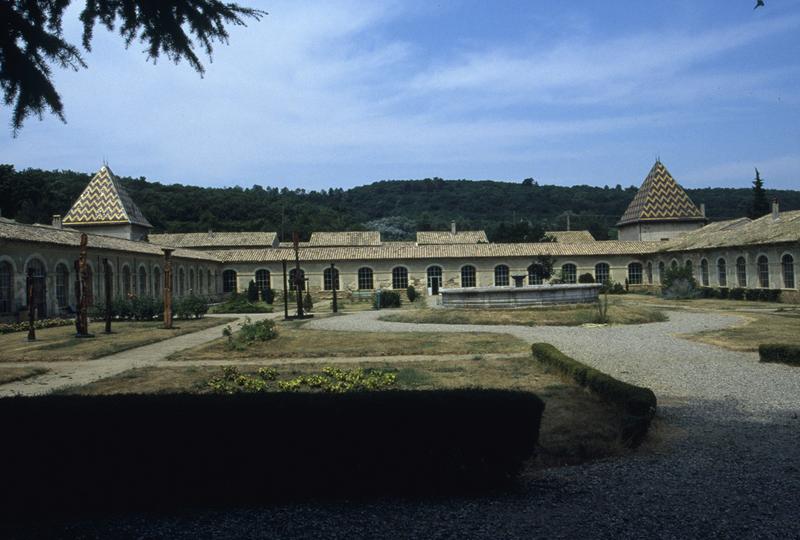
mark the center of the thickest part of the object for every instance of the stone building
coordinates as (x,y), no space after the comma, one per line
(661,227)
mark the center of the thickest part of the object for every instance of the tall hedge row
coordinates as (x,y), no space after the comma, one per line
(123,451)
(777,352)
(638,403)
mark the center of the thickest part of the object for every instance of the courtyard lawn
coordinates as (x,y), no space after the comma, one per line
(576,426)
(60,344)
(11,374)
(573,315)
(294,341)
(774,327)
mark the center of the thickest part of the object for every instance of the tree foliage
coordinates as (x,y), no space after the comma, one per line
(32,42)
(760,203)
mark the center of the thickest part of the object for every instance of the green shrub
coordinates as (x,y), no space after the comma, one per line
(586,278)
(678,282)
(268,295)
(638,403)
(249,333)
(252,291)
(613,287)
(769,295)
(411,293)
(308,302)
(8,328)
(238,303)
(724,293)
(737,293)
(752,294)
(386,299)
(779,352)
(331,379)
(191,306)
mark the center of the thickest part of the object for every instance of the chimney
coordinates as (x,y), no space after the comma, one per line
(453,227)
(57,221)
(776,213)
(703,209)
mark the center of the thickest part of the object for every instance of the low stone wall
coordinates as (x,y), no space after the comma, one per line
(512,297)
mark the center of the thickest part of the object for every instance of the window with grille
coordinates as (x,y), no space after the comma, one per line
(434,274)
(649,273)
(787,266)
(142,281)
(535,276)
(569,273)
(661,269)
(200,283)
(601,272)
(126,281)
(689,266)
(763,272)
(635,273)
(741,272)
(330,279)
(212,284)
(501,276)
(399,277)
(365,279)
(704,272)
(468,276)
(191,280)
(62,285)
(229,281)
(263,280)
(722,272)
(156,281)
(6,288)
(181,281)
(293,283)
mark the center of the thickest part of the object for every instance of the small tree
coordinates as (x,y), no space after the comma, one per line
(760,205)
(308,303)
(252,291)
(411,292)
(678,282)
(268,295)
(586,278)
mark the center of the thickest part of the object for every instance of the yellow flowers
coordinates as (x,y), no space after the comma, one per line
(331,379)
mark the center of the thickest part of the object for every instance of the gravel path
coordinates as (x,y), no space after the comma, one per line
(729,465)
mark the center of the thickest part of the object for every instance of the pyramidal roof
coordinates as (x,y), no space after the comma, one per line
(104,201)
(661,199)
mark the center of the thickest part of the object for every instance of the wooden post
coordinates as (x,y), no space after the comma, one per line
(107,278)
(31,308)
(285,294)
(167,287)
(334,286)
(298,279)
(82,323)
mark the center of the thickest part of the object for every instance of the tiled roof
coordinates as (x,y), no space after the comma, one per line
(345,238)
(12,231)
(403,250)
(661,199)
(740,232)
(447,237)
(105,201)
(216,239)
(571,236)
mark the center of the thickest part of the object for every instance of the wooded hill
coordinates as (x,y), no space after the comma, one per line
(398,208)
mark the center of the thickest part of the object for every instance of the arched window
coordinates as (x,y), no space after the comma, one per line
(263,280)
(156,282)
(62,285)
(181,281)
(434,274)
(763,272)
(661,270)
(787,268)
(89,284)
(330,279)
(126,281)
(535,276)
(212,285)
(704,272)
(689,266)
(200,283)
(501,275)
(229,281)
(674,263)
(722,272)
(635,273)
(6,287)
(38,273)
(569,273)
(468,276)
(601,272)
(365,279)
(649,273)
(191,280)
(399,277)
(293,282)
(741,272)
(142,281)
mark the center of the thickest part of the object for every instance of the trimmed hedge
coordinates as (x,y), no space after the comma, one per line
(69,453)
(638,403)
(779,352)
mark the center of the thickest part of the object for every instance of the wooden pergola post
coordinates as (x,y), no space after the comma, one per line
(82,294)
(167,287)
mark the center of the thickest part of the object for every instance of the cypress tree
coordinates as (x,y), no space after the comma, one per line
(760,205)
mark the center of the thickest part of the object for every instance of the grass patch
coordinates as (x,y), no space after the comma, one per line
(775,327)
(12,374)
(576,426)
(294,341)
(575,315)
(60,344)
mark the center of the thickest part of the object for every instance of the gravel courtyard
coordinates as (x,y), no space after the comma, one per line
(727,464)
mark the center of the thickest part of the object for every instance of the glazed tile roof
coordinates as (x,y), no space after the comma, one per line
(403,250)
(571,236)
(105,201)
(740,232)
(660,198)
(447,237)
(10,230)
(345,238)
(213,239)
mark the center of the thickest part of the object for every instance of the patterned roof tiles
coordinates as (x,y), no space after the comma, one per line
(105,201)
(660,198)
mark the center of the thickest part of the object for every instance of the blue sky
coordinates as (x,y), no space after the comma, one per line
(337,94)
